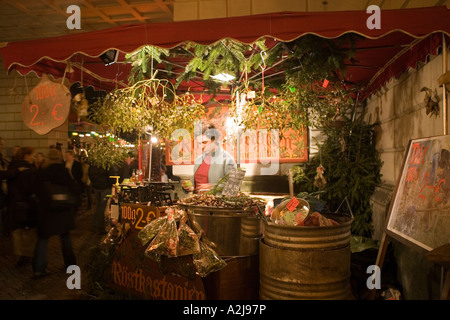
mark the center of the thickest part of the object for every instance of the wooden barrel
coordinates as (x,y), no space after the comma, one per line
(305,262)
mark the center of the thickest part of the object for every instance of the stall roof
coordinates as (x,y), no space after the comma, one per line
(406,36)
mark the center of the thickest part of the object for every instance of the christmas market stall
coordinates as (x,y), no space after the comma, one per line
(290,112)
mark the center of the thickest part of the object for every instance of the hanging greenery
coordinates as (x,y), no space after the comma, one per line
(295,84)
(105,152)
(225,56)
(351,168)
(144,62)
(307,89)
(148,103)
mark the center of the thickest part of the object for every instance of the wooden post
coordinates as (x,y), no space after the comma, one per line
(441,256)
(291,183)
(444,90)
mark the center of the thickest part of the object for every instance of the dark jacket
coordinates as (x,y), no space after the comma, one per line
(21,197)
(126,170)
(77,175)
(54,221)
(77,172)
(100,178)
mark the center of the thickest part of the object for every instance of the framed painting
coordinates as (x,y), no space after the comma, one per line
(419,215)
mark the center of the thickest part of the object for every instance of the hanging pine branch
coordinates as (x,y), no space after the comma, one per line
(144,62)
(227,56)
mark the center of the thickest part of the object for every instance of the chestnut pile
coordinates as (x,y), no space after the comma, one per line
(207,200)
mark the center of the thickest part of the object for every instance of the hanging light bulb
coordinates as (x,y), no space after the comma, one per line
(224,77)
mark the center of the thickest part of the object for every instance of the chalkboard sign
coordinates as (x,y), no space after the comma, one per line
(234,181)
(46,106)
(419,215)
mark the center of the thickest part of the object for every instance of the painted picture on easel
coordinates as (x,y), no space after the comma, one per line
(420,214)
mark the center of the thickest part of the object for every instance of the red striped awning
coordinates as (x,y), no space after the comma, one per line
(406,36)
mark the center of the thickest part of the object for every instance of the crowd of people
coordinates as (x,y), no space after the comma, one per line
(41,192)
(40,196)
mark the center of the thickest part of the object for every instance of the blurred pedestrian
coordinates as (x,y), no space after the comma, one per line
(22,205)
(85,178)
(3,188)
(57,193)
(128,166)
(16,151)
(73,165)
(101,186)
(40,159)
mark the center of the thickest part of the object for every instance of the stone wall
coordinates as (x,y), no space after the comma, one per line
(400,112)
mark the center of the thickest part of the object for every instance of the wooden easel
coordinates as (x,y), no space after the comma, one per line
(441,256)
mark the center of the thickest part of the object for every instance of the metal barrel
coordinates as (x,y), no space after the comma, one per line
(305,262)
(251,233)
(234,232)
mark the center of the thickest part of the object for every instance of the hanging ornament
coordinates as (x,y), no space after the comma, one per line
(80,103)
(319,180)
(13,91)
(431,103)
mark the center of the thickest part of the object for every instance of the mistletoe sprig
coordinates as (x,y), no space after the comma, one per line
(292,106)
(148,103)
(105,152)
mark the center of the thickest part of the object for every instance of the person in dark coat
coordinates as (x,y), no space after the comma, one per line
(101,185)
(54,220)
(128,166)
(75,169)
(3,188)
(22,204)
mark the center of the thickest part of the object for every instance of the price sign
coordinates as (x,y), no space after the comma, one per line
(291,205)
(233,184)
(46,106)
(139,215)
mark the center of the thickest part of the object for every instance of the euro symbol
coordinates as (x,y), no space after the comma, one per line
(55,112)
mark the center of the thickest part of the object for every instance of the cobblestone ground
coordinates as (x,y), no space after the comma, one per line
(18,283)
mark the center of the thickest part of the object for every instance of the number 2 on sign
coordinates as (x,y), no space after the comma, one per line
(35,106)
(426,185)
